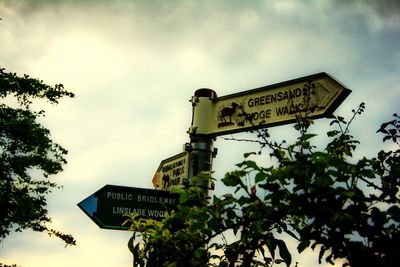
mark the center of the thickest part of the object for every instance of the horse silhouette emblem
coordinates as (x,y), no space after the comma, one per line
(165,181)
(227,114)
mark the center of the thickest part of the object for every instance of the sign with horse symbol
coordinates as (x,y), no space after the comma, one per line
(172,172)
(313,96)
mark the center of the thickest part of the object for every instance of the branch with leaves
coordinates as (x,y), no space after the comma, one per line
(325,199)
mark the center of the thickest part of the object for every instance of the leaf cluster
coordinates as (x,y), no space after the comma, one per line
(327,200)
(26,88)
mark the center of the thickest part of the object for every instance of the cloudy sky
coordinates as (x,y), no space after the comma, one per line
(134,65)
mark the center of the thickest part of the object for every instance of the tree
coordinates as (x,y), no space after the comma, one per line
(28,156)
(327,200)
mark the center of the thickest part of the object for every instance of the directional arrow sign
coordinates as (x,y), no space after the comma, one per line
(107,206)
(172,172)
(313,96)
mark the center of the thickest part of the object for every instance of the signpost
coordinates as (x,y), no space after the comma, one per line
(172,172)
(314,96)
(107,206)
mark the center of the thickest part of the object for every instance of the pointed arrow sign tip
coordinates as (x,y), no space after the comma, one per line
(89,205)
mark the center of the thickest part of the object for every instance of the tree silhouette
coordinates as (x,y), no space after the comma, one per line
(28,156)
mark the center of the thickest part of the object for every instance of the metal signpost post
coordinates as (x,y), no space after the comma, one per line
(201,150)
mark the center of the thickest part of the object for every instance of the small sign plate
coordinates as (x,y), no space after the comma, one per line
(172,172)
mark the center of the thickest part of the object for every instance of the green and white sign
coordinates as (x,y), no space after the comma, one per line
(107,206)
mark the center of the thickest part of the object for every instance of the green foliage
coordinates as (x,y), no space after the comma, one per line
(28,156)
(327,200)
(26,88)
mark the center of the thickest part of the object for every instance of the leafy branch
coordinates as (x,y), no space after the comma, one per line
(325,199)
